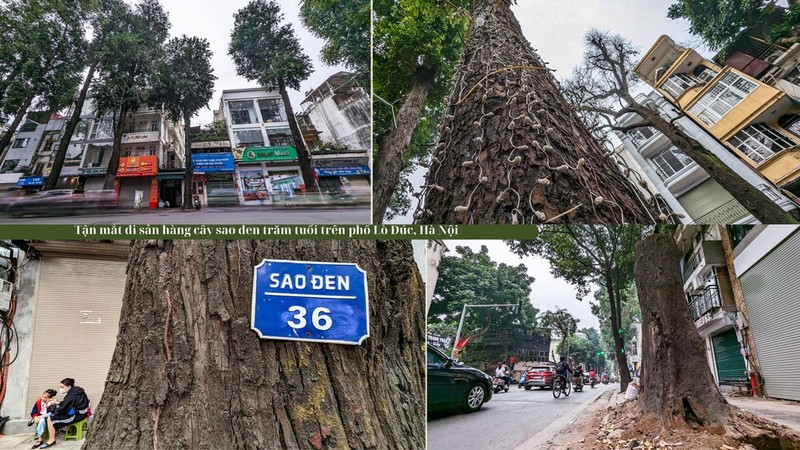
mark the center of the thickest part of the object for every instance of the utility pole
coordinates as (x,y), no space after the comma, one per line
(464,314)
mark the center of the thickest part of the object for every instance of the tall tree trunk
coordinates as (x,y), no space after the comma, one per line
(6,139)
(615,317)
(741,307)
(511,149)
(188,372)
(677,384)
(390,157)
(303,158)
(113,163)
(188,182)
(753,200)
(63,145)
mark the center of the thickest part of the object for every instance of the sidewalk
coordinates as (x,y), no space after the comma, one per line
(780,411)
(21,441)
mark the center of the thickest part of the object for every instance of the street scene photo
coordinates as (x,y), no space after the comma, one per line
(615,337)
(597,111)
(145,111)
(212,344)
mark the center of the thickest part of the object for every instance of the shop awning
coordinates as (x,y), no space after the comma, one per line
(171,175)
(342,171)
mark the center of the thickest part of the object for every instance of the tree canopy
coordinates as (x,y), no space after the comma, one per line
(562,323)
(265,50)
(473,278)
(345,27)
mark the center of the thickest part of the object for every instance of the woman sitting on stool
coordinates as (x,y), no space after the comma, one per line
(74,408)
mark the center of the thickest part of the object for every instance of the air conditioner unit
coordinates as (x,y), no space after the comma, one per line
(696,285)
(6,288)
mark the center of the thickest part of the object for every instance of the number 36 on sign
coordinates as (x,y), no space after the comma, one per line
(310,301)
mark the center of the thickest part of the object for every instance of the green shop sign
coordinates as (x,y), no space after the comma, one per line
(256,154)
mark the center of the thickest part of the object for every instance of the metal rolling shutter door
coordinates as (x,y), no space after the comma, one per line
(65,342)
(772,295)
(730,363)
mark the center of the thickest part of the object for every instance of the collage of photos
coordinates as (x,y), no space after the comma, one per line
(648,153)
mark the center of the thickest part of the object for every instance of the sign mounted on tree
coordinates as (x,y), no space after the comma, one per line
(310,301)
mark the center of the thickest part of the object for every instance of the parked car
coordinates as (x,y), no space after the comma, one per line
(454,386)
(540,376)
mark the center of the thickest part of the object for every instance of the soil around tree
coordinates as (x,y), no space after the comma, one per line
(623,426)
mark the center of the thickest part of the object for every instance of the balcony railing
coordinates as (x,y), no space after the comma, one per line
(729,212)
(691,265)
(705,302)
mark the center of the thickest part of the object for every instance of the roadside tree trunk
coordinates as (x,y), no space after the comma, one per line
(303,159)
(69,130)
(188,182)
(677,384)
(5,141)
(113,163)
(754,201)
(615,317)
(511,149)
(188,372)
(390,156)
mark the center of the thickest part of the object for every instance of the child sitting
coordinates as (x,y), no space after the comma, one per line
(42,409)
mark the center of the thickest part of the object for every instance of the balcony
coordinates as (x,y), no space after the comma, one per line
(707,254)
(705,302)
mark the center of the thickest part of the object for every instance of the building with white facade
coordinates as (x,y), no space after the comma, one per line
(684,185)
(266,159)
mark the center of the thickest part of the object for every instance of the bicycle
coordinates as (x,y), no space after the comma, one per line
(561,384)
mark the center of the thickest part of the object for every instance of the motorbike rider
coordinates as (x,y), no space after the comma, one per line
(591,377)
(522,378)
(506,374)
(578,375)
(562,368)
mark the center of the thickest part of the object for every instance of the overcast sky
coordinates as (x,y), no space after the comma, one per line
(213,20)
(547,292)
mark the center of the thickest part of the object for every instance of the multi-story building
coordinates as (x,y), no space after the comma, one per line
(755,331)
(266,158)
(339,113)
(678,180)
(747,102)
(151,156)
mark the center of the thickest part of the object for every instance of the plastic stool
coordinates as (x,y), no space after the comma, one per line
(76,430)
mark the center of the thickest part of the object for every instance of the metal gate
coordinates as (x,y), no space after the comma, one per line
(772,295)
(728,357)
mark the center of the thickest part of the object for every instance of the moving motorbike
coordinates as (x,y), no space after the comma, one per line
(604,380)
(577,383)
(593,381)
(499,384)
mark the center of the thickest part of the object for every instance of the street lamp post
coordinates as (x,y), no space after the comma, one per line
(464,314)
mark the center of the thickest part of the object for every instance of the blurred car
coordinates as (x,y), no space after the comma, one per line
(56,201)
(100,199)
(454,386)
(540,376)
(224,196)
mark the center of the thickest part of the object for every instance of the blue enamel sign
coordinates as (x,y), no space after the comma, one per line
(310,301)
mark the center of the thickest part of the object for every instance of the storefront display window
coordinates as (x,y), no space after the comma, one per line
(285,181)
(254,185)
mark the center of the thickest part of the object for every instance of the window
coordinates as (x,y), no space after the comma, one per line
(678,83)
(760,141)
(793,76)
(641,135)
(245,138)
(280,137)
(790,123)
(102,129)
(242,112)
(705,74)
(669,162)
(272,110)
(154,126)
(9,165)
(20,143)
(723,97)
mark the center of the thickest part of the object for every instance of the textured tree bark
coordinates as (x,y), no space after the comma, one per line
(69,130)
(753,200)
(300,145)
(188,372)
(511,149)
(188,181)
(390,157)
(116,151)
(677,384)
(615,316)
(6,139)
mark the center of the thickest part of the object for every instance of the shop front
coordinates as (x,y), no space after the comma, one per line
(269,174)
(214,181)
(136,183)
(30,183)
(170,188)
(343,170)
(93,177)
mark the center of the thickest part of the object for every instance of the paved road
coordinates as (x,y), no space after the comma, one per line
(211,216)
(508,419)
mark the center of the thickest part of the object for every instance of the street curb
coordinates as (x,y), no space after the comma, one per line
(547,437)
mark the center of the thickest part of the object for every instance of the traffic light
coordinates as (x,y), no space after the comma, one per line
(620,331)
